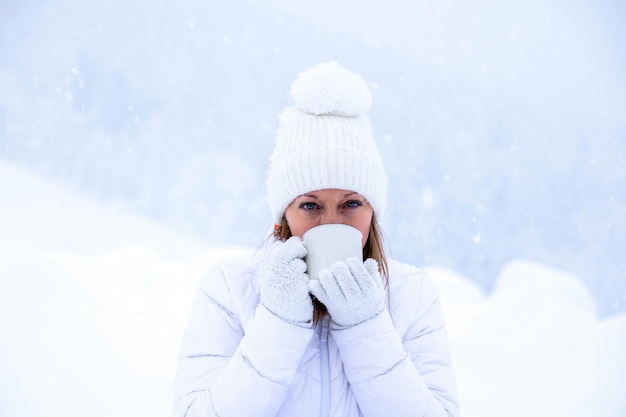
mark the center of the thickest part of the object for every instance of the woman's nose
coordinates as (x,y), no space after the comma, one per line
(330,217)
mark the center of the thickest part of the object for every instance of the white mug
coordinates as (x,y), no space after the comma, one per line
(329,243)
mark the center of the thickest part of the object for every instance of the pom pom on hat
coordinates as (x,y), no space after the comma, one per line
(328,89)
(325,141)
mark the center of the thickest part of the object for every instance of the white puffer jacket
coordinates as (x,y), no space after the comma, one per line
(238,359)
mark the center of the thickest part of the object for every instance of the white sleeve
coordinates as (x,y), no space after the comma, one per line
(401,375)
(224,371)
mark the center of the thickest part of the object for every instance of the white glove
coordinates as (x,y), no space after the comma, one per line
(352,291)
(284,285)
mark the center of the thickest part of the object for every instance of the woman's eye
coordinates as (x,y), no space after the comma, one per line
(308,206)
(353,204)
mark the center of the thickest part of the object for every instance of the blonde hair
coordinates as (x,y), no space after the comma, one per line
(374,248)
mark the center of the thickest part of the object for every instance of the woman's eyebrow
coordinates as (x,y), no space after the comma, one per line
(317,198)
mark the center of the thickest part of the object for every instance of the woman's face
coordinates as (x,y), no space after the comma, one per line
(329,206)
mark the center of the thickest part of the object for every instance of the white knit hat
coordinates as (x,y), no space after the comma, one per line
(325,141)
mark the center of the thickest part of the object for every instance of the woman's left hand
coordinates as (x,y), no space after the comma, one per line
(352,291)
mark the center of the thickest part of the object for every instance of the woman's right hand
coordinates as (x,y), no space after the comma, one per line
(284,284)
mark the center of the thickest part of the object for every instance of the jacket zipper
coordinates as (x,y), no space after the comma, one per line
(324,368)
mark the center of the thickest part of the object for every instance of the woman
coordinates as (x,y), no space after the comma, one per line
(364,338)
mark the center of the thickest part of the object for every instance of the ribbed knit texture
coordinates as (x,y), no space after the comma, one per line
(316,152)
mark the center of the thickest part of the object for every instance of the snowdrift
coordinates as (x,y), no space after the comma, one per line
(93,302)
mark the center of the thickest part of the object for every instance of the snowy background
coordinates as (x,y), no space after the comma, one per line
(134,138)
